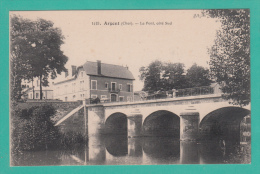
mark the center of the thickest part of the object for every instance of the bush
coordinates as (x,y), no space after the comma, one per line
(71,140)
(32,129)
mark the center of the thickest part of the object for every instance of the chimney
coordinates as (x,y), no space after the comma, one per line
(66,73)
(99,67)
(73,69)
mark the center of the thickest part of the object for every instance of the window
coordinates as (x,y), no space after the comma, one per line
(65,89)
(103,96)
(66,98)
(94,84)
(121,98)
(93,96)
(129,87)
(113,98)
(81,86)
(73,87)
(37,95)
(31,96)
(58,90)
(113,86)
(81,73)
(129,99)
(106,85)
(120,86)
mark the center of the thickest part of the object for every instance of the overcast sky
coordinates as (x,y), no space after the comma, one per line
(186,40)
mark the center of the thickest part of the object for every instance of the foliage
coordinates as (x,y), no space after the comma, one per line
(71,140)
(32,129)
(34,52)
(151,76)
(230,55)
(159,76)
(198,76)
(173,76)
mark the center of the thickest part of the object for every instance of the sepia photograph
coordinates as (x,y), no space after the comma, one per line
(129,87)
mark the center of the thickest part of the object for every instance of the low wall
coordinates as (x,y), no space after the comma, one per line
(62,108)
(55,104)
(75,123)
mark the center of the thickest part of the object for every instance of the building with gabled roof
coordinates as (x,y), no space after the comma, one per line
(96,80)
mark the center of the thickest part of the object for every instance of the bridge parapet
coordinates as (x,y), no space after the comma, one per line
(164,102)
(204,90)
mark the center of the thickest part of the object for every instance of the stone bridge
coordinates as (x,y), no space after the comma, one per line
(186,118)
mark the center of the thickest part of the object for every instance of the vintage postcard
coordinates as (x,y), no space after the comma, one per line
(130,87)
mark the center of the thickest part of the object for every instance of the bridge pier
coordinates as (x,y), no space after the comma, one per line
(134,124)
(96,121)
(189,125)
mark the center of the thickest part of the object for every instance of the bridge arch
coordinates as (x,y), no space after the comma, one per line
(161,123)
(116,124)
(223,123)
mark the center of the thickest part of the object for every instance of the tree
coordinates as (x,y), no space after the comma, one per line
(34,129)
(163,76)
(197,76)
(151,76)
(35,52)
(230,55)
(174,77)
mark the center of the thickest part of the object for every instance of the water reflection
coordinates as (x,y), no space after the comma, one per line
(189,153)
(161,150)
(120,150)
(135,147)
(116,145)
(214,152)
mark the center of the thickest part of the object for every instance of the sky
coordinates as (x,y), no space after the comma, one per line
(185,39)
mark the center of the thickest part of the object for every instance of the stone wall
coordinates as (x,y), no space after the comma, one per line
(74,123)
(62,108)
(57,105)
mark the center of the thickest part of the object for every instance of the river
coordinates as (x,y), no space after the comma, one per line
(120,150)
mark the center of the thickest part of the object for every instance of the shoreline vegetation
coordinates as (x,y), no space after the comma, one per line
(32,129)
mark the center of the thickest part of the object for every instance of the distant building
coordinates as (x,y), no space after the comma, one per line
(32,91)
(245,130)
(47,93)
(95,79)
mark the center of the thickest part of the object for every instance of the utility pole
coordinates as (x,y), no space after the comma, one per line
(86,132)
(85,119)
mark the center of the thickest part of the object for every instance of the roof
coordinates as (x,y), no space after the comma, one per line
(66,80)
(108,70)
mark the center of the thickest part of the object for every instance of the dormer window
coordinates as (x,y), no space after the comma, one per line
(81,73)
